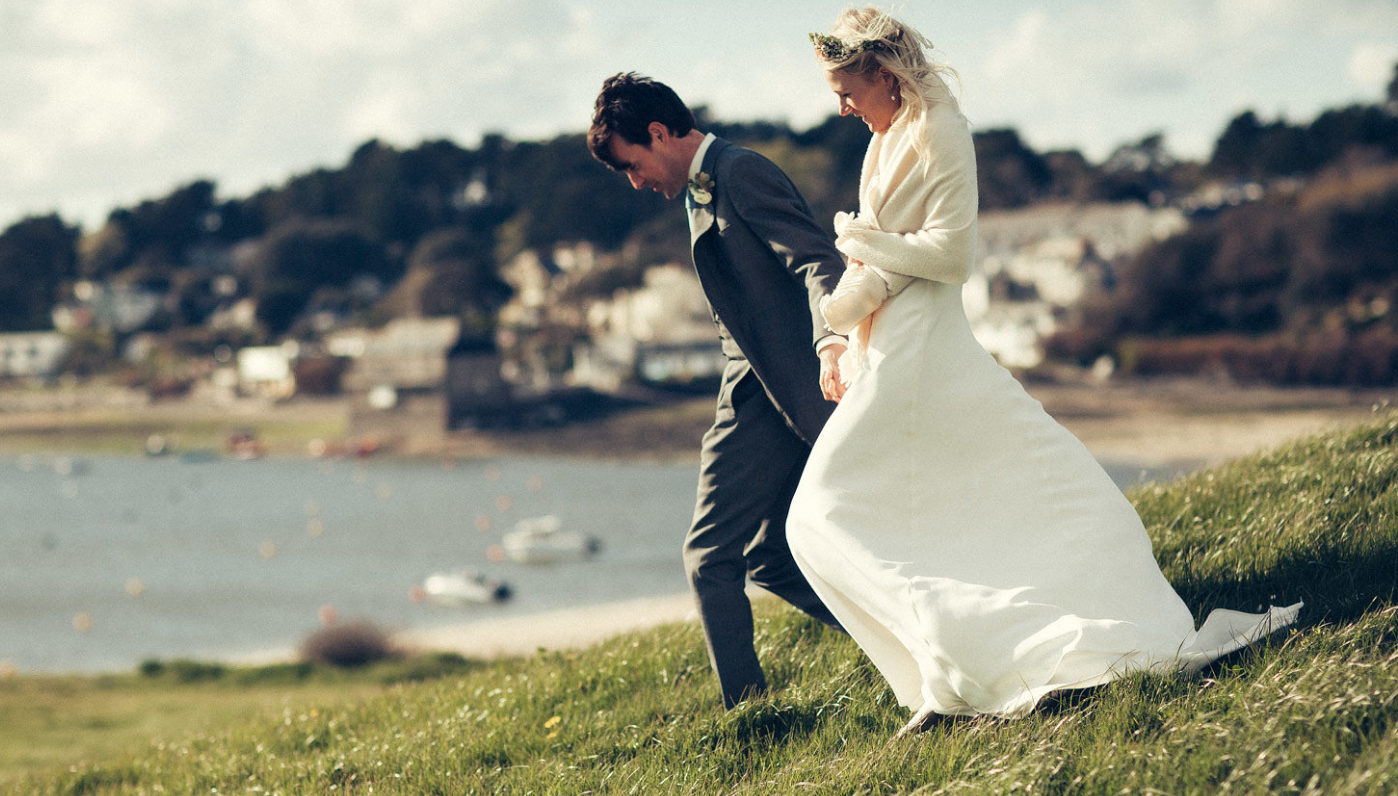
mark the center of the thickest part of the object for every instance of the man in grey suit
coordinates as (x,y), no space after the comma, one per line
(764,265)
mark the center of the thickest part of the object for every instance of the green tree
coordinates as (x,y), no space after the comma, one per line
(300,256)
(37,255)
(1010,174)
(460,273)
(154,237)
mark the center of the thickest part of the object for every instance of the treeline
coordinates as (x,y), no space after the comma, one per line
(448,216)
(426,230)
(1300,287)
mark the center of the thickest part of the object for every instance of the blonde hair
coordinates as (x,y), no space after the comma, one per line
(864,39)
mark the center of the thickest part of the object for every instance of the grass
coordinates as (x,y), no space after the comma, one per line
(49,722)
(1311,712)
(125,433)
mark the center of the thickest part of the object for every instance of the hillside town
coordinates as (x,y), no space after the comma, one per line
(519,284)
(1035,266)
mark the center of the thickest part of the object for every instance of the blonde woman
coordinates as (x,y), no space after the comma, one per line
(970,544)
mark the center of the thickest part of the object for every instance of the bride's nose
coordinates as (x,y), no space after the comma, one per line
(845,108)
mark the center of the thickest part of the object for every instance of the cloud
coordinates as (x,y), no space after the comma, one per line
(251,92)
(1371,65)
(107,103)
(1085,72)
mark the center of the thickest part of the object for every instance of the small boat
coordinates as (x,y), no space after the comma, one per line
(464,586)
(67,466)
(244,444)
(540,540)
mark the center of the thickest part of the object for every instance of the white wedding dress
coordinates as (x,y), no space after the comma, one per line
(972,546)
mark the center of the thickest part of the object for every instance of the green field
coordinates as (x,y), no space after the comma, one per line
(1311,711)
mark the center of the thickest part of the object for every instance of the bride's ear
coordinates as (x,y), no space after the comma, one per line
(889,80)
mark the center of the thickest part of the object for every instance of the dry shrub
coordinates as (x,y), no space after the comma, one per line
(1366,359)
(350,644)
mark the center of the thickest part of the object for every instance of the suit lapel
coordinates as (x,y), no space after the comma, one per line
(701,217)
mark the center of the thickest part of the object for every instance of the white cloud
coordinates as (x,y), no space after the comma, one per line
(110,102)
(1094,75)
(1371,65)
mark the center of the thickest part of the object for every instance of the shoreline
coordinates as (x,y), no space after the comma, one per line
(1185,424)
(1179,422)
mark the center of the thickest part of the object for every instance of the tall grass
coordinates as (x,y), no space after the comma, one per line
(1309,712)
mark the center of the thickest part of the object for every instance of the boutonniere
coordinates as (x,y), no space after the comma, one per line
(701,187)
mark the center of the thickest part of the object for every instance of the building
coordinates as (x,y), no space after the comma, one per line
(660,333)
(266,371)
(476,393)
(32,354)
(1036,264)
(420,376)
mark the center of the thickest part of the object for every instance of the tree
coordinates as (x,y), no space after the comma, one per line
(156,235)
(37,255)
(1009,173)
(1235,149)
(1133,172)
(298,257)
(463,278)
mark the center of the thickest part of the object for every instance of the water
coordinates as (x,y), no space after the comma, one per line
(108,561)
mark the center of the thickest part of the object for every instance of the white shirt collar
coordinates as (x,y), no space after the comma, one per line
(698,162)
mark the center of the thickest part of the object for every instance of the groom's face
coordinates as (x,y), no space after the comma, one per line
(655,166)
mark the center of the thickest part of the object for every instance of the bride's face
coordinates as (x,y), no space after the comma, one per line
(870,97)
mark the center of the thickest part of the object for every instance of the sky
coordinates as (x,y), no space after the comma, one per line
(104,103)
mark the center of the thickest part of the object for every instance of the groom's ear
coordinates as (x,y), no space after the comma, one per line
(659,133)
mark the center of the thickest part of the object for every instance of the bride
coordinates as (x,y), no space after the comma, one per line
(972,546)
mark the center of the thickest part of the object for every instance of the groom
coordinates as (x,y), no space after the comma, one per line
(764,265)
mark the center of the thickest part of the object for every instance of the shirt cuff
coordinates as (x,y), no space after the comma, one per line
(829,340)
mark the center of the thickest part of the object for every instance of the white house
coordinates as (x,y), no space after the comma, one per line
(1036,264)
(266,371)
(662,331)
(117,307)
(32,354)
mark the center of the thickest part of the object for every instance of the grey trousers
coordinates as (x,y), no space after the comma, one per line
(750,464)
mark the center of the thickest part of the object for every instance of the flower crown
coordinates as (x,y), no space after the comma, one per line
(830,48)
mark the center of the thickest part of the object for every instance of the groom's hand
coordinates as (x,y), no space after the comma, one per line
(830,383)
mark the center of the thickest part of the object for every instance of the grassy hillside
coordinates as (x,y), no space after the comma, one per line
(1308,712)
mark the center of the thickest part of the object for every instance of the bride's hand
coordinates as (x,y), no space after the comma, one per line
(830,383)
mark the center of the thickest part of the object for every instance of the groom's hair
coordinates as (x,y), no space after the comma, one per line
(626,106)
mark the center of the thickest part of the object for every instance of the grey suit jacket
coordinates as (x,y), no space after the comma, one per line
(764,264)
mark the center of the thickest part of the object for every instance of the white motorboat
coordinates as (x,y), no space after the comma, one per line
(541,540)
(464,586)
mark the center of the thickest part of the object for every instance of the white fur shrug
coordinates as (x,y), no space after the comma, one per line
(917,218)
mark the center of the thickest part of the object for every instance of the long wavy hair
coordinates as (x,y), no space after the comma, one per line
(869,38)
